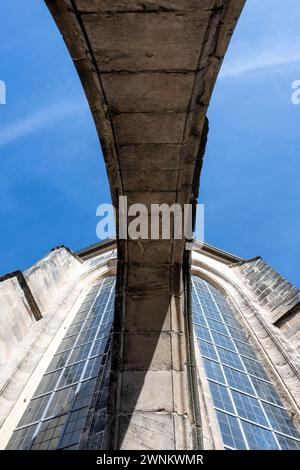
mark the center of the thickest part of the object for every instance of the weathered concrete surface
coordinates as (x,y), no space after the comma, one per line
(148,69)
(23,339)
(280,299)
(50,276)
(29,297)
(16,318)
(290,326)
(149,379)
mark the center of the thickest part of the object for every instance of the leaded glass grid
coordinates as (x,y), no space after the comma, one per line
(249,410)
(55,416)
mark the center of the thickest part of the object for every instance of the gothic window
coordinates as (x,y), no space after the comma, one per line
(249,411)
(55,416)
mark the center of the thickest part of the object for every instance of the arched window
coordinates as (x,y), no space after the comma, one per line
(55,417)
(249,411)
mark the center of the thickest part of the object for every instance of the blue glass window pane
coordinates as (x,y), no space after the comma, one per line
(67,343)
(75,328)
(249,408)
(92,368)
(80,353)
(86,336)
(220,300)
(237,333)
(209,304)
(74,428)
(48,435)
(58,361)
(85,393)
(230,358)
(92,322)
(71,374)
(214,371)
(100,346)
(48,383)
(61,402)
(224,308)
(200,320)
(22,439)
(213,314)
(238,380)
(230,431)
(280,420)
(287,443)
(104,331)
(202,333)
(254,368)
(34,410)
(266,391)
(259,438)
(207,350)
(223,341)
(245,349)
(217,326)
(81,316)
(221,397)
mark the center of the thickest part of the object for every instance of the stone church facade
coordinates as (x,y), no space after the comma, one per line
(240,358)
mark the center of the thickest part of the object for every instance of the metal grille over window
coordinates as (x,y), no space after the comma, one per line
(250,412)
(56,415)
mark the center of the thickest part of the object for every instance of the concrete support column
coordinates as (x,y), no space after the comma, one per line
(150,398)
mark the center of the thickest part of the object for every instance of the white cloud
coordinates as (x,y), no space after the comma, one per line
(39,120)
(243,58)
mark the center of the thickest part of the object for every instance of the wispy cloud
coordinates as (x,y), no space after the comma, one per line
(38,120)
(245,58)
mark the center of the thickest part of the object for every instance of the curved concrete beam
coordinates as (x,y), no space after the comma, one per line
(148,69)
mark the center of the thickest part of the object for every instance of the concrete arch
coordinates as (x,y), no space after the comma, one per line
(148,71)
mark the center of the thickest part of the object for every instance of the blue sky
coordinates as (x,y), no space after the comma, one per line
(52,173)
